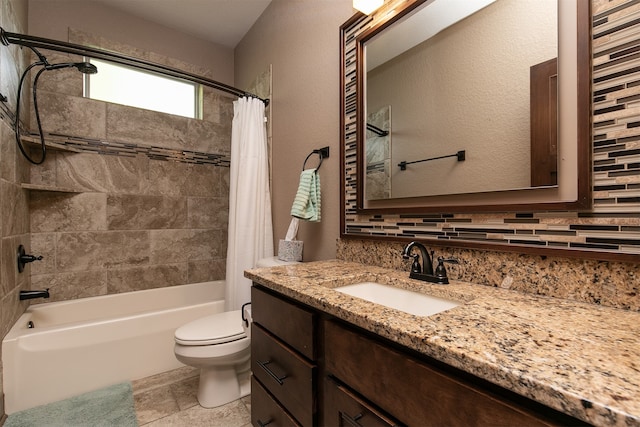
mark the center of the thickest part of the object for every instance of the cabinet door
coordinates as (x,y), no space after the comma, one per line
(285,374)
(265,411)
(415,392)
(291,323)
(344,408)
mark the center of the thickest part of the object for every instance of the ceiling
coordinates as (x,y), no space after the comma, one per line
(223,22)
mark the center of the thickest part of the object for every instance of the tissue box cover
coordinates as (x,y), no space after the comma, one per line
(290,250)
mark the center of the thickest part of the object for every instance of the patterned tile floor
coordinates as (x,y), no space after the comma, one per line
(169,399)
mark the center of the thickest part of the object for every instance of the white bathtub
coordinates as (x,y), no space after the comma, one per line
(86,344)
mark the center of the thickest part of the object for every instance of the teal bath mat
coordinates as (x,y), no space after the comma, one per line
(111,406)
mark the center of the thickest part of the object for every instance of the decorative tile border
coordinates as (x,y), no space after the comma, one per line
(78,144)
(612,225)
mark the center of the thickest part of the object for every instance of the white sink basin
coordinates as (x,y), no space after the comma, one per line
(400,299)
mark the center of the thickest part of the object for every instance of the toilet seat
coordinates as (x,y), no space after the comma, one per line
(218,328)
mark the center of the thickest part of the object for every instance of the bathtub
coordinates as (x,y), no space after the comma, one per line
(86,344)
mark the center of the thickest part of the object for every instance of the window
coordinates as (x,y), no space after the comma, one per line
(137,88)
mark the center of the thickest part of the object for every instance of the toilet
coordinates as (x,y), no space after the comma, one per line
(220,346)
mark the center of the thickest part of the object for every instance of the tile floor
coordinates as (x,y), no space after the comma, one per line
(169,399)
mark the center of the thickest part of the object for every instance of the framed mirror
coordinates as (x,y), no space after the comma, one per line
(487,110)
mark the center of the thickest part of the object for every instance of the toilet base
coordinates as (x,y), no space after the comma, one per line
(245,383)
(218,387)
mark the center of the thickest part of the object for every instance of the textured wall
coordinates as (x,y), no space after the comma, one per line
(138,200)
(301,40)
(52,19)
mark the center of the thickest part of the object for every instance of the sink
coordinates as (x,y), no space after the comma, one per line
(398,298)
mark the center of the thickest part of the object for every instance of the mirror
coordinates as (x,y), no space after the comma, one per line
(448,120)
(419,70)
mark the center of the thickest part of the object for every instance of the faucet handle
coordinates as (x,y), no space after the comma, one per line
(415,265)
(441,271)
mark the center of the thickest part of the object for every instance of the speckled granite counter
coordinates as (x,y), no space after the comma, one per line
(581,359)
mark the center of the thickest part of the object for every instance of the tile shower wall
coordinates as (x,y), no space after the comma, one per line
(135,199)
(613,224)
(14,228)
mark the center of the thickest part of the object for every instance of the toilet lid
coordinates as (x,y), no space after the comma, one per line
(215,329)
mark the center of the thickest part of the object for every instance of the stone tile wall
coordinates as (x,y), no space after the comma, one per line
(140,202)
(14,214)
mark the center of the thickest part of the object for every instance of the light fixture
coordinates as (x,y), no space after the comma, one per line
(367,6)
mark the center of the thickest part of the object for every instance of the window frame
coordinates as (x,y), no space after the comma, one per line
(198,91)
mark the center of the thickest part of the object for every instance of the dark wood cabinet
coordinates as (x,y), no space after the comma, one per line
(415,392)
(282,362)
(355,378)
(288,376)
(343,407)
(265,409)
(291,323)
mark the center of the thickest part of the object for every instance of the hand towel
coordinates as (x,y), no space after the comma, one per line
(306,204)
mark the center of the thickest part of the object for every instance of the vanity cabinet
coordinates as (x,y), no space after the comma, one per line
(342,407)
(310,368)
(412,391)
(283,362)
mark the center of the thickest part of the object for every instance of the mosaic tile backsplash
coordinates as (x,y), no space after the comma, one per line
(613,223)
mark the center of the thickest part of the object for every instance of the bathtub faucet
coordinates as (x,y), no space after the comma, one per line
(34,294)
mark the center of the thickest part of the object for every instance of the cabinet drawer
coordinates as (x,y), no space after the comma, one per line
(286,375)
(344,408)
(413,391)
(265,410)
(291,323)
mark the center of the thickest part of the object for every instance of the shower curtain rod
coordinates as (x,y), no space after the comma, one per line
(39,42)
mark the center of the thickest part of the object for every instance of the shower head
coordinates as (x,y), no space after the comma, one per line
(83,67)
(86,68)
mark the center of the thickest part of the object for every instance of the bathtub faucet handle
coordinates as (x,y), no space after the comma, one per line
(30,258)
(24,258)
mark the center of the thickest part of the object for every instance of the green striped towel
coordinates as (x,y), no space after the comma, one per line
(306,205)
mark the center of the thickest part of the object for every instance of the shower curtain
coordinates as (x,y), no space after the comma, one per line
(250,228)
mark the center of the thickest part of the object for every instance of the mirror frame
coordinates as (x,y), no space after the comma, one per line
(420,204)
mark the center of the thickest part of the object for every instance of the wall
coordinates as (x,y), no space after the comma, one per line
(14,228)
(136,199)
(52,19)
(301,41)
(611,225)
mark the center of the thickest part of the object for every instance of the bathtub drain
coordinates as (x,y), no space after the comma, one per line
(30,324)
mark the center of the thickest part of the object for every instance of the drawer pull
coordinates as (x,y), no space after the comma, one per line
(272,374)
(353,421)
(261,424)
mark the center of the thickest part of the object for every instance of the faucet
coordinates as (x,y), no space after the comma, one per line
(425,272)
(34,294)
(427,263)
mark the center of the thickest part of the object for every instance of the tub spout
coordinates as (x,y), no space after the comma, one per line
(34,294)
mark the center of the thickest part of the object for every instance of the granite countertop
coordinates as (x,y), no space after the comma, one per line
(581,359)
